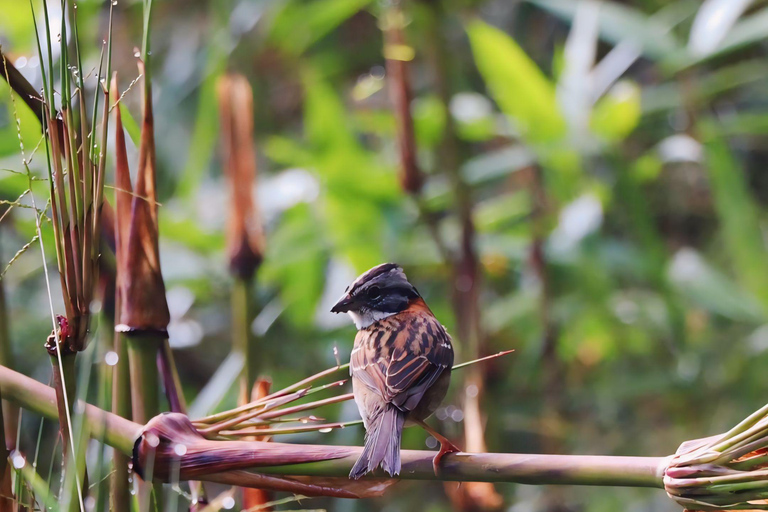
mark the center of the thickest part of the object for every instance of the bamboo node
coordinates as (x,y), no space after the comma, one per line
(67,336)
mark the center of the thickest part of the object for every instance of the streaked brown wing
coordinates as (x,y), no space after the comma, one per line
(402,357)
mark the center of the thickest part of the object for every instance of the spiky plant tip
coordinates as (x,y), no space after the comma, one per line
(725,472)
(143,305)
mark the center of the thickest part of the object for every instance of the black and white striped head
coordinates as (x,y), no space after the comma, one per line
(376,294)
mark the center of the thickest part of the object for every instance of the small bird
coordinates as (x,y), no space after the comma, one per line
(400,364)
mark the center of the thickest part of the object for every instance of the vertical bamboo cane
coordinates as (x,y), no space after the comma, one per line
(121,405)
(6,430)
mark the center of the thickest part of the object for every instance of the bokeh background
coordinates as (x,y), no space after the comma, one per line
(613,157)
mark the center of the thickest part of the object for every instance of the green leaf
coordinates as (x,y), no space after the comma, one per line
(9,131)
(528,97)
(357,189)
(429,118)
(300,24)
(205,134)
(617,114)
(749,30)
(15,25)
(710,289)
(619,23)
(745,32)
(130,125)
(646,168)
(325,119)
(295,262)
(187,231)
(497,213)
(286,151)
(516,83)
(713,21)
(589,338)
(739,217)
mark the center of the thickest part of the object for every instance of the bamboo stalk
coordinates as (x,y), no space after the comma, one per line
(145,383)
(534,469)
(6,490)
(143,350)
(36,397)
(121,406)
(417,464)
(166,367)
(8,413)
(242,339)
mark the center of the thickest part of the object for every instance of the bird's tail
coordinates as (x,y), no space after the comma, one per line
(382,443)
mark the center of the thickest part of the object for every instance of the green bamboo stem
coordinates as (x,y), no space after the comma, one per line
(145,384)
(10,411)
(143,350)
(242,339)
(534,469)
(120,433)
(121,405)
(170,377)
(6,490)
(417,465)
(39,486)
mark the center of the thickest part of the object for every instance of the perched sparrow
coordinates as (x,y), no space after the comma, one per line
(400,365)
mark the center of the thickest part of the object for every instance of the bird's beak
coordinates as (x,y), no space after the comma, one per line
(344,304)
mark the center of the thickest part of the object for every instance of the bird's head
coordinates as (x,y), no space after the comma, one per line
(376,294)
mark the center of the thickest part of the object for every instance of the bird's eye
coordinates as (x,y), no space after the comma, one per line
(374,292)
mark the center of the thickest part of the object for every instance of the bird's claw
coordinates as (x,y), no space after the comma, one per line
(446,447)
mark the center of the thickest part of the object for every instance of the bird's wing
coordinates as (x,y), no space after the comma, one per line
(400,357)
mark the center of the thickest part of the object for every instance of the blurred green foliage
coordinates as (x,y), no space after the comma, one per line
(645,119)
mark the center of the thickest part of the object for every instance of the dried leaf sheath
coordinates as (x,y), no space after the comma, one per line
(123,187)
(142,291)
(245,237)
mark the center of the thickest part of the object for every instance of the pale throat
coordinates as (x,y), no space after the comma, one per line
(365,318)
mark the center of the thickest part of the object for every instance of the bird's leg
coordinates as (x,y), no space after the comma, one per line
(446,446)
